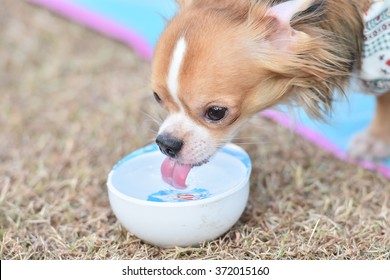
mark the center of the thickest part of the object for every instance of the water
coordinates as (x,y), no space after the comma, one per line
(139,177)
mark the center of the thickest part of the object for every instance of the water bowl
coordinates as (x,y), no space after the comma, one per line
(215,197)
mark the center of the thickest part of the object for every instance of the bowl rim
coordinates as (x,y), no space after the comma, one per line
(228,148)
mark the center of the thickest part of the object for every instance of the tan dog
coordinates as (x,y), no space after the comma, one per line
(221,61)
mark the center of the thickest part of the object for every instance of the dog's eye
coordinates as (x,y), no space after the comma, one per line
(158,99)
(216,113)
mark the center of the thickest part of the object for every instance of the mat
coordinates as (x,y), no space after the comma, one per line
(139,23)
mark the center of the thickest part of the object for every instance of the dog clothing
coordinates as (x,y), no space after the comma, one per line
(375,70)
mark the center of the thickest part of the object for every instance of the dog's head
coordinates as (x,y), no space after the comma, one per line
(219,62)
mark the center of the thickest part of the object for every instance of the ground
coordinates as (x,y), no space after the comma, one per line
(74,102)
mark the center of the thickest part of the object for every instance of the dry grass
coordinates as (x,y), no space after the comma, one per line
(73,103)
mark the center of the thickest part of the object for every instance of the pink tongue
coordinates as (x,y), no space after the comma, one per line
(175,174)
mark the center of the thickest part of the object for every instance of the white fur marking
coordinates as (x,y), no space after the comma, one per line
(199,144)
(174,68)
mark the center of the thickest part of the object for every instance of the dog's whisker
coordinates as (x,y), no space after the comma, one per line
(252,143)
(155,119)
(154,130)
(151,140)
(249,137)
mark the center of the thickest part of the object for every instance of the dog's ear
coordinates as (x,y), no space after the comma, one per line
(285,36)
(184,3)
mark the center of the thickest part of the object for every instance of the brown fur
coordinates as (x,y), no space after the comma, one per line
(380,127)
(318,65)
(308,74)
(239,56)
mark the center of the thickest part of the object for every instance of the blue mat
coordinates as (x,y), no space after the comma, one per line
(139,24)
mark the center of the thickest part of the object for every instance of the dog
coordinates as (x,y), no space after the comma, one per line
(219,62)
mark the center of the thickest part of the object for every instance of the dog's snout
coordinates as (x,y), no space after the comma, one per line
(170,146)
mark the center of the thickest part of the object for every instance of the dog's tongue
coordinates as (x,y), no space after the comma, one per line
(175,174)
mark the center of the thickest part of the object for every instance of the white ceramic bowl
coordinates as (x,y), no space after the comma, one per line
(157,213)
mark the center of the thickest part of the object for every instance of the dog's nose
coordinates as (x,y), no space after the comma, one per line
(169,146)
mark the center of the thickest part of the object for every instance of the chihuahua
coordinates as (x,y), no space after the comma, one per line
(219,62)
